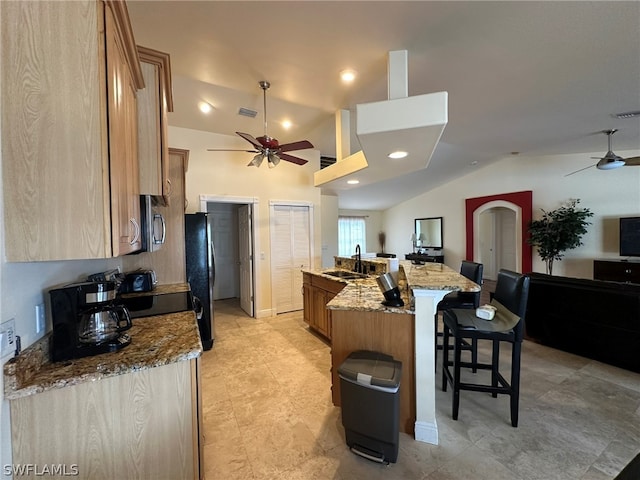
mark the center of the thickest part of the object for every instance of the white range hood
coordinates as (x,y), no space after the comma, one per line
(410,124)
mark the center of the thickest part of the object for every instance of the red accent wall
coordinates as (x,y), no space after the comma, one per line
(522,199)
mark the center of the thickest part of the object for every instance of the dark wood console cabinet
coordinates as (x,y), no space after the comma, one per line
(419,257)
(617,271)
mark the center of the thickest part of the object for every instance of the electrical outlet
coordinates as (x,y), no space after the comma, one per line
(8,330)
(40,320)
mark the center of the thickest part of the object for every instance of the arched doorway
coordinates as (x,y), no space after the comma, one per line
(520,204)
(496,242)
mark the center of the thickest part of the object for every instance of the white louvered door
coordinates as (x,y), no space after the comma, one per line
(290,253)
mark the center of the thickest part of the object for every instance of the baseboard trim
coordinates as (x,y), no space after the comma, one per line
(426,432)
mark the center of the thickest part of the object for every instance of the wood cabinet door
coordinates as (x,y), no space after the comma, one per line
(123,144)
(144,424)
(307,293)
(54,149)
(154,102)
(318,319)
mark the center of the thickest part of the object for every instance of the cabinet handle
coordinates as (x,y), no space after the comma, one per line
(159,217)
(136,227)
(169,187)
(628,270)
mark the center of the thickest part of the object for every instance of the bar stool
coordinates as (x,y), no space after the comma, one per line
(471,300)
(510,299)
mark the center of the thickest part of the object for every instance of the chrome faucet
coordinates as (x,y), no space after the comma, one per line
(358,266)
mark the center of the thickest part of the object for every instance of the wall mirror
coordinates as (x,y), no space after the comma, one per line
(428,232)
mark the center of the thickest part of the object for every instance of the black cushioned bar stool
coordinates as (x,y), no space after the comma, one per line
(510,299)
(471,300)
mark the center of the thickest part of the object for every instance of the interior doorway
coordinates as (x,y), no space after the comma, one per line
(234,240)
(497,240)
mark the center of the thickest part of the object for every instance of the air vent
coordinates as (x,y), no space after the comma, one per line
(246,112)
(626,114)
(326,161)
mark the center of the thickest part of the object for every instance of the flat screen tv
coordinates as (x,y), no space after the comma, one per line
(630,237)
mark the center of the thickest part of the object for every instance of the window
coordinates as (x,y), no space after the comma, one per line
(351,232)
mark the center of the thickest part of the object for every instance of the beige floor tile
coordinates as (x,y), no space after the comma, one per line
(268,415)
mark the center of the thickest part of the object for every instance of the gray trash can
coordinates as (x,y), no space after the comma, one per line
(369,396)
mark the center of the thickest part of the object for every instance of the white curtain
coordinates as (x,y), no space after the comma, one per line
(351,232)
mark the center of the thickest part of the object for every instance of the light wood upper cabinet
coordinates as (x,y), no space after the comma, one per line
(123,138)
(154,102)
(70,73)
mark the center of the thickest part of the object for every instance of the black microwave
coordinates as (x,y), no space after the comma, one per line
(153,226)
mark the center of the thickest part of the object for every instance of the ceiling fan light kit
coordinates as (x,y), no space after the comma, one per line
(610,164)
(611,161)
(268,147)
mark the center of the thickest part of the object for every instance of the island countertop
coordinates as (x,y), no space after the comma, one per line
(155,341)
(365,295)
(436,276)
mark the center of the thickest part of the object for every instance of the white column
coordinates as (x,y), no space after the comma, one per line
(426,304)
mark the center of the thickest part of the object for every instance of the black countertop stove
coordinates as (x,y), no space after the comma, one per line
(162,304)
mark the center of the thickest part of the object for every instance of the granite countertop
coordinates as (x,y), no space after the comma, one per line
(155,341)
(436,276)
(363,294)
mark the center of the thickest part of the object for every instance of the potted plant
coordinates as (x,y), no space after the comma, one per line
(559,230)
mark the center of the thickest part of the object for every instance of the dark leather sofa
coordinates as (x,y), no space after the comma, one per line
(591,318)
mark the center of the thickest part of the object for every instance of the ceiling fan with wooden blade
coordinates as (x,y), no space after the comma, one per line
(610,160)
(268,147)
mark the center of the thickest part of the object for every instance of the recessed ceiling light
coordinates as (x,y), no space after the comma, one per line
(286,124)
(348,75)
(353,182)
(398,154)
(205,107)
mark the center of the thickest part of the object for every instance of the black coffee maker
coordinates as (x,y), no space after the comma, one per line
(87,321)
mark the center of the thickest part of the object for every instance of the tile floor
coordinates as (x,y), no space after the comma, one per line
(268,415)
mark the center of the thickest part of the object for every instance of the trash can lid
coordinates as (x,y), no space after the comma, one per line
(371,368)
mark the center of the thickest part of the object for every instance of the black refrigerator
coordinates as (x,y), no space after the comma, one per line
(201,270)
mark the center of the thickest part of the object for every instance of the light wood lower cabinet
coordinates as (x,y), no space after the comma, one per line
(317,292)
(140,425)
(389,333)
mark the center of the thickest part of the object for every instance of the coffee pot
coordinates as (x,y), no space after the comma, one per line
(87,320)
(102,323)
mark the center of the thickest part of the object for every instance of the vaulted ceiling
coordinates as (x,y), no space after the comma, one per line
(536,78)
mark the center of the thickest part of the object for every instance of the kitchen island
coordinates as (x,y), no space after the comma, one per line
(360,321)
(134,413)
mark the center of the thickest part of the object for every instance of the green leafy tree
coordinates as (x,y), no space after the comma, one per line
(558,231)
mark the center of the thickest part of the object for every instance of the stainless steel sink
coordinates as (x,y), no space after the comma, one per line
(345,274)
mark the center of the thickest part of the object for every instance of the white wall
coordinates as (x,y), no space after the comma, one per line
(227,174)
(608,194)
(329,225)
